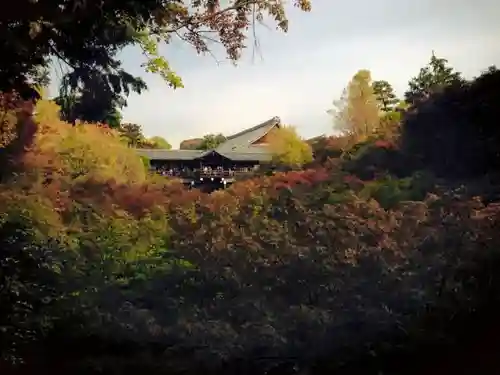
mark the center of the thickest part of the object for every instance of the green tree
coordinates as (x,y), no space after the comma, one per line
(452,133)
(431,79)
(87,37)
(384,92)
(93,103)
(113,119)
(288,148)
(132,134)
(211,141)
(160,142)
(357,112)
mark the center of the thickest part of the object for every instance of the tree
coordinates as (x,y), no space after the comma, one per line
(191,144)
(452,132)
(357,112)
(211,141)
(92,104)
(160,143)
(385,95)
(113,118)
(431,79)
(288,148)
(132,133)
(88,36)
(390,124)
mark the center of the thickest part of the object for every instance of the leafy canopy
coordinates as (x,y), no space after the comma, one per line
(384,92)
(160,142)
(288,148)
(87,36)
(190,144)
(357,111)
(431,79)
(211,141)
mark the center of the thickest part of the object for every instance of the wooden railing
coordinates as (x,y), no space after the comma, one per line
(197,173)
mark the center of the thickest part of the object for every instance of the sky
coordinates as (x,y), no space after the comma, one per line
(297,75)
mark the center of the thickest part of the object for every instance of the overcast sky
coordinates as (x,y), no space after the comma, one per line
(302,72)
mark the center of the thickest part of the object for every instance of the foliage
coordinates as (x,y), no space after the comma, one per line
(30,268)
(88,36)
(389,192)
(394,263)
(390,125)
(17,131)
(350,267)
(8,117)
(160,143)
(92,106)
(376,157)
(211,141)
(132,134)
(431,79)
(357,112)
(191,144)
(385,95)
(454,132)
(288,148)
(84,151)
(328,148)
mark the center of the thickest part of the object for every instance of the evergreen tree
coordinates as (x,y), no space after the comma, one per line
(431,79)
(385,95)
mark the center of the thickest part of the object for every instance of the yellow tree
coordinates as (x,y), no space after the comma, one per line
(357,112)
(288,148)
(85,150)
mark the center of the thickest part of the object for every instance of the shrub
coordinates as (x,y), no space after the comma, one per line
(369,159)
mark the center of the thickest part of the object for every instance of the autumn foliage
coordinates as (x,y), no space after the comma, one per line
(351,265)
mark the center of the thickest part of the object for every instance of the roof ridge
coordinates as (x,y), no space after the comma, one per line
(275,119)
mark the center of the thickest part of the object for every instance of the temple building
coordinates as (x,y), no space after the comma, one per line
(241,153)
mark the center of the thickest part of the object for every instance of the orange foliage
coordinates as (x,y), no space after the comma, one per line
(382,143)
(278,181)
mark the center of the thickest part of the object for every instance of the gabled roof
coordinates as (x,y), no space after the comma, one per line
(242,142)
(237,147)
